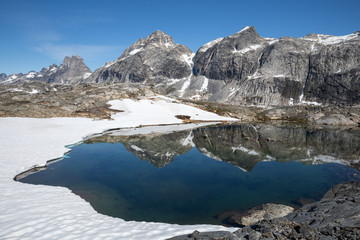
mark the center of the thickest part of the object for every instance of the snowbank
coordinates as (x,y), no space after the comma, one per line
(45,212)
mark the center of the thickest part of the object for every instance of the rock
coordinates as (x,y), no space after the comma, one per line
(275,114)
(279,228)
(39,99)
(314,117)
(196,235)
(183,117)
(266,211)
(336,120)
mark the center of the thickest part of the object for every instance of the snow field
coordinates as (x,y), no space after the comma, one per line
(45,212)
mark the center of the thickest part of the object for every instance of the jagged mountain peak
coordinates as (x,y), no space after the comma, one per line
(74,60)
(159,38)
(158,33)
(246,36)
(246,32)
(155,58)
(247,29)
(155,39)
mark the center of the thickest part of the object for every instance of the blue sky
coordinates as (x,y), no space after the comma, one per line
(36,34)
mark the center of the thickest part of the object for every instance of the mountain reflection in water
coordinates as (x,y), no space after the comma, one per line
(193,176)
(245,145)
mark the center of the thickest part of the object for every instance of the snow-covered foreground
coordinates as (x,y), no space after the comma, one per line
(45,212)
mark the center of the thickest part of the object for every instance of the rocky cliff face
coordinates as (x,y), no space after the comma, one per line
(252,70)
(149,60)
(334,69)
(2,77)
(71,71)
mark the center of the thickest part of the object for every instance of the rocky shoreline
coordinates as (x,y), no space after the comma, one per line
(335,216)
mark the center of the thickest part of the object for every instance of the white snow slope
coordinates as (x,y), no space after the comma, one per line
(45,212)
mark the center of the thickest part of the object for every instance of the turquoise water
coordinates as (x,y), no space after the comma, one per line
(189,188)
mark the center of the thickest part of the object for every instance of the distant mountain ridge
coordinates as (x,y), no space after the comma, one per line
(243,68)
(71,71)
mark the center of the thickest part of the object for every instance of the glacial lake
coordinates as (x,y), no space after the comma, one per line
(200,176)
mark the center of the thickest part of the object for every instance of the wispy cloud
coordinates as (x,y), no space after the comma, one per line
(43,35)
(88,52)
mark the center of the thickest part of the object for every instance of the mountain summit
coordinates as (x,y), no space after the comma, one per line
(151,59)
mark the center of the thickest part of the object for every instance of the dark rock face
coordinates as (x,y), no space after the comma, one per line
(334,74)
(2,77)
(71,71)
(156,56)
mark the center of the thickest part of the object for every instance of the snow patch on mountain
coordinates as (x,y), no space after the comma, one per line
(245,150)
(208,45)
(244,29)
(248,49)
(133,52)
(189,140)
(329,39)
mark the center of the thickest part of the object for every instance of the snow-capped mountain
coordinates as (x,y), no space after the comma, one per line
(71,71)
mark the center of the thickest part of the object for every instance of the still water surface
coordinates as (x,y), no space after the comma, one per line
(196,176)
